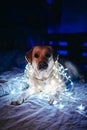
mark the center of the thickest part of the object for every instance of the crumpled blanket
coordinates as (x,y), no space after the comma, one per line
(37,114)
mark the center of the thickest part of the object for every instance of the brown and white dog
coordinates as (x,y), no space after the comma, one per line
(42,60)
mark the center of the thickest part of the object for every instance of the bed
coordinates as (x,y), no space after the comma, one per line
(36,113)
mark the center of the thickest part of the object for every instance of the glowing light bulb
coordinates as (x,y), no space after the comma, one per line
(54,67)
(20,88)
(66,69)
(12,92)
(48,89)
(81,107)
(55,102)
(72,83)
(39,87)
(65,74)
(52,82)
(31,71)
(60,80)
(40,96)
(32,91)
(61,106)
(69,94)
(56,76)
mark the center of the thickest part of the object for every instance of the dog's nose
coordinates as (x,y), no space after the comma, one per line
(43,66)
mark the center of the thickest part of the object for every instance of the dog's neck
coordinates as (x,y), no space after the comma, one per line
(44,78)
(43,75)
(38,75)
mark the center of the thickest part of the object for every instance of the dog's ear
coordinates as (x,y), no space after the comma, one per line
(28,56)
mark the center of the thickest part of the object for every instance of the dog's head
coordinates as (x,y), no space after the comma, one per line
(42,58)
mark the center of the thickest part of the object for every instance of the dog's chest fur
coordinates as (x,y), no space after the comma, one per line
(43,85)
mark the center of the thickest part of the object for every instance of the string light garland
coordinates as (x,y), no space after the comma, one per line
(50,88)
(67,98)
(81,107)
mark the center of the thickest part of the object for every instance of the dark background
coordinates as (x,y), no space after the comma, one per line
(62,23)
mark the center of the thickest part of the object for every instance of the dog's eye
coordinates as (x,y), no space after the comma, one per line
(36,55)
(48,55)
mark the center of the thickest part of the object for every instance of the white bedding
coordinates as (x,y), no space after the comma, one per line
(37,114)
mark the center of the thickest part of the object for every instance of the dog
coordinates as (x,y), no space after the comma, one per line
(42,74)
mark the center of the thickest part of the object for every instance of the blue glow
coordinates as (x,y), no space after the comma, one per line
(73,18)
(50,1)
(85,44)
(84,54)
(85,66)
(50,30)
(50,42)
(62,43)
(62,52)
(81,107)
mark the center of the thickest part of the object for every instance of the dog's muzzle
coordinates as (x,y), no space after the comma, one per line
(43,66)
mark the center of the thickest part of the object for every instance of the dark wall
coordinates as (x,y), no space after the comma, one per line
(74,16)
(25,24)
(22,23)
